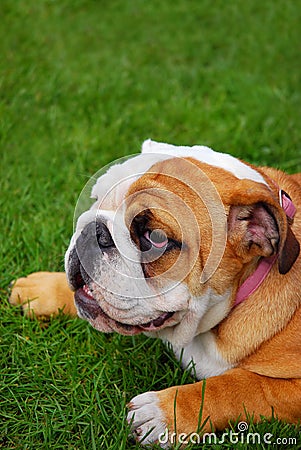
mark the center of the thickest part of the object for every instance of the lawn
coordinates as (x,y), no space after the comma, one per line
(84,82)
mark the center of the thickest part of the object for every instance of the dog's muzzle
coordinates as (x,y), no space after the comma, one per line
(109,290)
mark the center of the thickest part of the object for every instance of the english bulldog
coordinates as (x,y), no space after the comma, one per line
(201,250)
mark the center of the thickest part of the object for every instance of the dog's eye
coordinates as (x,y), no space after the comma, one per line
(157,238)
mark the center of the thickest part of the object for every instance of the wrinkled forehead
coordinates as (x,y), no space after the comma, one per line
(206,155)
(111,188)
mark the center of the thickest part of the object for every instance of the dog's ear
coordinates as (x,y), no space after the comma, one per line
(253,231)
(261,229)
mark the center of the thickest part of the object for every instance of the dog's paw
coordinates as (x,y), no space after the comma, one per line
(43,294)
(147,420)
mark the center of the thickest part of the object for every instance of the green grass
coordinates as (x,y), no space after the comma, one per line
(83,82)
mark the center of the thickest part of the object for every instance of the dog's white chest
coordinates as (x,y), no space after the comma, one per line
(203,357)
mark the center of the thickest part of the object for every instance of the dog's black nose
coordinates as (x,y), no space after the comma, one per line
(103,236)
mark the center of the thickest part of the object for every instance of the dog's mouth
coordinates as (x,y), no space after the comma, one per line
(90,310)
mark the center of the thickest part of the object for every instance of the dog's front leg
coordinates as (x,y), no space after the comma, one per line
(171,415)
(43,294)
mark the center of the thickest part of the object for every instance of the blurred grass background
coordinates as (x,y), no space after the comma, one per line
(84,82)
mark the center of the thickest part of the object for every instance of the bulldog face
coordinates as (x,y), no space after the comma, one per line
(152,253)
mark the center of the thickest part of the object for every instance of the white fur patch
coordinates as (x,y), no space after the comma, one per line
(200,315)
(112,186)
(191,339)
(205,155)
(146,418)
(203,354)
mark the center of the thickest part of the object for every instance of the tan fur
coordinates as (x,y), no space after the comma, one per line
(229,397)
(43,294)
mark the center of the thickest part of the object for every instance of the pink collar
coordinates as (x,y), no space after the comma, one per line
(254,281)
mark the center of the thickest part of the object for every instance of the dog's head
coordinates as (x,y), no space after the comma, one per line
(164,246)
